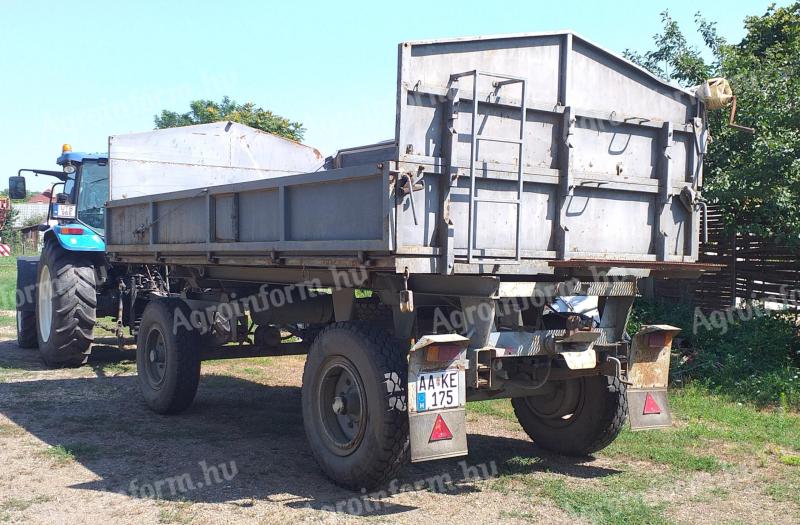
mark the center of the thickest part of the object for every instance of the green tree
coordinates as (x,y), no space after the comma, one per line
(755,178)
(29,194)
(205,111)
(8,234)
(34,220)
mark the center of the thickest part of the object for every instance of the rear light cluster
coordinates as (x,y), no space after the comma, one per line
(443,353)
(71,230)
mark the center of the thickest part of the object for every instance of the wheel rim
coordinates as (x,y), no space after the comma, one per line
(44,305)
(559,408)
(341,405)
(155,358)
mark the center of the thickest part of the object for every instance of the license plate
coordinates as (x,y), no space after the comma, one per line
(437,390)
(64,211)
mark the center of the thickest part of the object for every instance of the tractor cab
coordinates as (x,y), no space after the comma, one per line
(80,195)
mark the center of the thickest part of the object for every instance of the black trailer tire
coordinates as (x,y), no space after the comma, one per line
(371,369)
(26,329)
(167,357)
(65,306)
(583,421)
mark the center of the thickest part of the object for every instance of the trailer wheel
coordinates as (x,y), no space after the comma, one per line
(353,399)
(167,357)
(26,329)
(65,307)
(580,417)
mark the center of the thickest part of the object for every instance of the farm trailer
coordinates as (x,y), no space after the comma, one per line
(524,168)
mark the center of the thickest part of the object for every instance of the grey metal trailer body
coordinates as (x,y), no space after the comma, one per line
(524,168)
(607,150)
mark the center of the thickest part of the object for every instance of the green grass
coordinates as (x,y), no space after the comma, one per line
(756,359)
(710,434)
(714,494)
(500,408)
(616,499)
(602,507)
(175,512)
(9,372)
(790,459)
(705,424)
(8,283)
(784,490)
(19,505)
(64,454)
(117,368)
(8,321)
(60,454)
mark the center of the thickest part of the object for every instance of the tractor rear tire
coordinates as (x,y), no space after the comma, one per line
(65,306)
(582,416)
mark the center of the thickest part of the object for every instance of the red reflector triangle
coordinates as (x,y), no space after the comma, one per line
(440,430)
(650,406)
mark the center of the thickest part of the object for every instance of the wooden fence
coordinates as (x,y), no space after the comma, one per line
(755,268)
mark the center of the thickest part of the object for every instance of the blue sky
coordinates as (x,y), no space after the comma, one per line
(79,71)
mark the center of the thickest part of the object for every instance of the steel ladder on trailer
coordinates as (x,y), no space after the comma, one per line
(475,137)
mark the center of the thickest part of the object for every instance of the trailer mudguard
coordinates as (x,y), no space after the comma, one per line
(26,283)
(436,397)
(648,373)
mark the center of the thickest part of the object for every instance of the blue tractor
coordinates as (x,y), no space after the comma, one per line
(61,293)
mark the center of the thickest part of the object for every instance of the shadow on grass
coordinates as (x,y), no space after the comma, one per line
(240,440)
(105,352)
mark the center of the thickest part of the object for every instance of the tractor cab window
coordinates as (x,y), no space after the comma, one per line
(92,195)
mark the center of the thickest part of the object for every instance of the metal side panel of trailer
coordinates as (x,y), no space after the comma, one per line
(570,153)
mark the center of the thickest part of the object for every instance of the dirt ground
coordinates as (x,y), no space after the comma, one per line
(79,446)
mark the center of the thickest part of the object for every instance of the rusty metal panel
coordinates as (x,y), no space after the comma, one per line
(125,223)
(649,358)
(648,374)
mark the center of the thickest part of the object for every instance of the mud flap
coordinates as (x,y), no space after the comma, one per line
(437,397)
(648,373)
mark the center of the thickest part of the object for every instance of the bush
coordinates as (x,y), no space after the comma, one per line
(753,358)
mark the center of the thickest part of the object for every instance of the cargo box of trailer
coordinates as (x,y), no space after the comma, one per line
(570,152)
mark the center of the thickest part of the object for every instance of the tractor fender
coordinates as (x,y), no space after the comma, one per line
(88,241)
